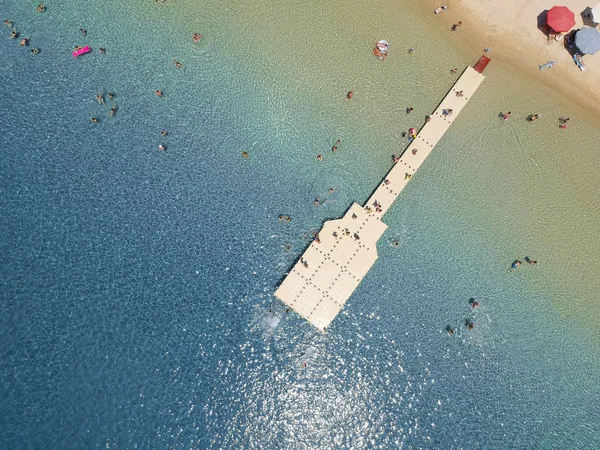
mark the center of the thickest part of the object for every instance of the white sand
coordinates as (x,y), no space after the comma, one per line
(510,29)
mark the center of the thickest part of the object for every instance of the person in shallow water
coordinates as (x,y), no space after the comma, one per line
(514,266)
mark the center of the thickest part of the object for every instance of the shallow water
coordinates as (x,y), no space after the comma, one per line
(137,285)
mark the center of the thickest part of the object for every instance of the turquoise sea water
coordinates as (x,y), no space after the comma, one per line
(136,285)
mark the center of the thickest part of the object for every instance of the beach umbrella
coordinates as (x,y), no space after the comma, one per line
(560,18)
(587,40)
(596,13)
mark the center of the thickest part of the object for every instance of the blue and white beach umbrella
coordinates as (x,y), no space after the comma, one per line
(587,40)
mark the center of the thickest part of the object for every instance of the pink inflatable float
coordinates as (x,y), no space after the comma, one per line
(81,51)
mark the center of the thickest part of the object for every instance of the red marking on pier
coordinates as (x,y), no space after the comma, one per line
(482,64)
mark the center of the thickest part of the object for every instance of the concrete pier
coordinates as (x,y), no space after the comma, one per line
(324,278)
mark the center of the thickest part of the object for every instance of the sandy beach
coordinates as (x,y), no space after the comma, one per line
(510,29)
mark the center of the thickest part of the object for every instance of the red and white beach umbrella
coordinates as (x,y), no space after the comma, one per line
(560,19)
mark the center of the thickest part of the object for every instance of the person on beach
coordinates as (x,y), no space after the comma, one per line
(505,116)
(514,266)
(414,152)
(446,112)
(407,176)
(456,26)
(459,94)
(454,70)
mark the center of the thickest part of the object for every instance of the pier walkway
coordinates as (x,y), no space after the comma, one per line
(331,268)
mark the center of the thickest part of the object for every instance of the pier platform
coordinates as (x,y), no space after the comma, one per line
(323,279)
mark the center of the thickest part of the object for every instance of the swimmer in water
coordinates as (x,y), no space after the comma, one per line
(164,133)
(94,120)
(14,34)
(24,42)
(83,32)
(102,50)
(350,95)
(35,51)
(245,154)
(158,92)
(514,266)
(113,110)
(162,148)
(41,8)
(319,157)
(450,330)
(178,64)
(100,98)
(9,23)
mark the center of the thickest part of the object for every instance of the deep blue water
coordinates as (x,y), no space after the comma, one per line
(136,285)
